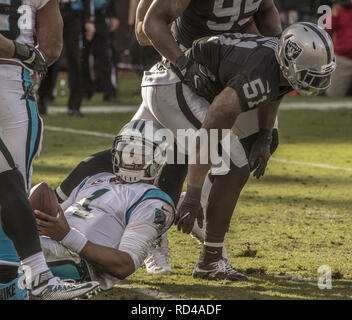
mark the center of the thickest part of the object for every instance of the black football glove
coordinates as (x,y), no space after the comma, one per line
(260,153)
(32,58)
(190,210)
(198,77)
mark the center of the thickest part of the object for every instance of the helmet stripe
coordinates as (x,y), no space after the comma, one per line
(321,36)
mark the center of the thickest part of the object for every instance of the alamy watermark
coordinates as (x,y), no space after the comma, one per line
(324,281)
(157,145)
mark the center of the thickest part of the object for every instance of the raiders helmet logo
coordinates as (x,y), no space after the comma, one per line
(292,50)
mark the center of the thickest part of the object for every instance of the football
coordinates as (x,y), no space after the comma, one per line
(43,198)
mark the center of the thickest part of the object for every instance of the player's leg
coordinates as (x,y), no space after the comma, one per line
(21,130)
(20,142)
(97,163)
(72,31)
(212,264)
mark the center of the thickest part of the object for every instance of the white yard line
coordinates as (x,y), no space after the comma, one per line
(284,106)
(111,136)
(149,292)
(313,165)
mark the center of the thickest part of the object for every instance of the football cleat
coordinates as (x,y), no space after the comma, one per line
(157,261)
(219,270)
(53,288)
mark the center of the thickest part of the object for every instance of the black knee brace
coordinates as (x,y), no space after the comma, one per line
(17,217)
(97,163)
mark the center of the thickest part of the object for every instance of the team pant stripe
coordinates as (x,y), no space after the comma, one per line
(6,153)
(185,107)
(34,125)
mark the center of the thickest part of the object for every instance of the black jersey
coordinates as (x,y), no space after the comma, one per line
(245,63)
(204,18)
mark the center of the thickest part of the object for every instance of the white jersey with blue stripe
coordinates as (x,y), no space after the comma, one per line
(127,217)
(18,19)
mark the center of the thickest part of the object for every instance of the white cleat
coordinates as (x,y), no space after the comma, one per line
(53,288)
(157,261)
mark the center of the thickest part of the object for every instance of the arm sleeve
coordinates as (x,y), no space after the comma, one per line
(148,221)
(89,11)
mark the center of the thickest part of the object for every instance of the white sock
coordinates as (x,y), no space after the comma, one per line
(34,265)
(205,192)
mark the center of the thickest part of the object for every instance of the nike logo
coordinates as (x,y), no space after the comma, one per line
(196,78)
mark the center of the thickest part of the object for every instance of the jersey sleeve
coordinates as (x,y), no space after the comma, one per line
(39,4)
(258,83)
(149,220)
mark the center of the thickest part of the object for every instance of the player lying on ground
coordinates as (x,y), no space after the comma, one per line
(194,19)
(111,220)
(251,72)
(20,143)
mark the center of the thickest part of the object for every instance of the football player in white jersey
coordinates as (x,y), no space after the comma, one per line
(111,220)
(20,143)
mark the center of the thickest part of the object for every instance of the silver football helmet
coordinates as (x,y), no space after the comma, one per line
(138,152)
(306,57)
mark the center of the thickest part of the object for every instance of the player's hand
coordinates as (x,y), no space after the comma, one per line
(54,227)
(198,77)
(32,58)
(189,211)
(260,153)
(90,30)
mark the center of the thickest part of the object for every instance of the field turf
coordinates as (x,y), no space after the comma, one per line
(287,225)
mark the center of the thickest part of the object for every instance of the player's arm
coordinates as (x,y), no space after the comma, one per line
(49,29)
(267,19)
(7,48)
(156,26)
(109,260)
(142,10)
(260,152)
(222,114)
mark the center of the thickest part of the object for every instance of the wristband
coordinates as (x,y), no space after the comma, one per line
(181,62)
(75,241)
(266,135)
(22,51)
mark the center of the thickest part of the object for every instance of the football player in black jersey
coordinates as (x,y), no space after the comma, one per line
(191,20)
(251,72)
(195,19)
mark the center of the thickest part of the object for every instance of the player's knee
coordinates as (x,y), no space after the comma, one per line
(12,186)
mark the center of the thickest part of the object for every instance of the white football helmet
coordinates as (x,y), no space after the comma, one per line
(138,153)
(306,57)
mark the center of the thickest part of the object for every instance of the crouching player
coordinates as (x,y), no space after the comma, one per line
(111,220)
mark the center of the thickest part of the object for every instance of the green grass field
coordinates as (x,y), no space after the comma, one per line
(287,225)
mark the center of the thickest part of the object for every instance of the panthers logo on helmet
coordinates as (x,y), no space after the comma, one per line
(292,50)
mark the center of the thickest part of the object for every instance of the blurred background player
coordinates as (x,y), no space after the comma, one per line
(100,48)
(77,15)
(342,36)
(111,220)
(20,142)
